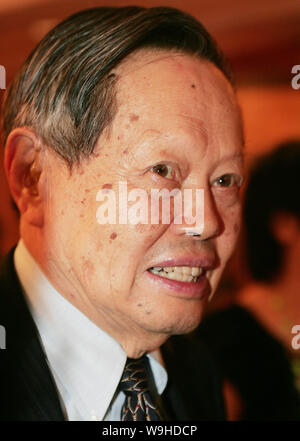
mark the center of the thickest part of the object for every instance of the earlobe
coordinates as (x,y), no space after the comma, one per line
(23,169)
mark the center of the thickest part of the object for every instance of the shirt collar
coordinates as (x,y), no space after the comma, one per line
(86,360)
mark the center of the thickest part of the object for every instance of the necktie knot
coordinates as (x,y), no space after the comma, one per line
(134,380)
(138,405)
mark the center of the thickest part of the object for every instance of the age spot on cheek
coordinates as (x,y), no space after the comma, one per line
(113,236)
(133,117)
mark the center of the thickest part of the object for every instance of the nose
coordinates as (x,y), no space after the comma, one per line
(205,224)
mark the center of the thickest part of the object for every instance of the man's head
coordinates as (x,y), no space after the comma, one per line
(126,95)
(272,212)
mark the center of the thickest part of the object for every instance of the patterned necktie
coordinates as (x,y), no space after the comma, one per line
(138,405)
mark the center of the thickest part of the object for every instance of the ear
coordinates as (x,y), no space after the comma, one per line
(22,164)
(285,228)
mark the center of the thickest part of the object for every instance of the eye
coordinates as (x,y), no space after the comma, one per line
(164,170)
(229,180)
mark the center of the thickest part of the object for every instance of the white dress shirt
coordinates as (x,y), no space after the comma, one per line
(85,361)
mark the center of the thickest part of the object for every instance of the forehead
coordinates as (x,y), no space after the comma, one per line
(178,77)
(175,94)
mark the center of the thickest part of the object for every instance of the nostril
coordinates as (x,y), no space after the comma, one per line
(191,233)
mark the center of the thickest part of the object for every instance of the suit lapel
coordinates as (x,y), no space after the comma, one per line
(28,391)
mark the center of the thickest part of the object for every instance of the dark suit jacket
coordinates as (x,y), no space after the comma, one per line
(28,391)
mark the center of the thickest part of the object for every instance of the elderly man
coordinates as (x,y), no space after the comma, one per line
(116,95)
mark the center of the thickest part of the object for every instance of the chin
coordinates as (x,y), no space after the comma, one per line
(174,326)
(186,328)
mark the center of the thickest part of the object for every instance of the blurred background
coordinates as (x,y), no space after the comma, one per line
(261,39)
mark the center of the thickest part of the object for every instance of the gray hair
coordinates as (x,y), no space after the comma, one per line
(65,89)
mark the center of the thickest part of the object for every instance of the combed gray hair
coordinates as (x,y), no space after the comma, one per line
(65,88)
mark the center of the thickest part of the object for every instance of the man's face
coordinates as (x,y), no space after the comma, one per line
(178,112)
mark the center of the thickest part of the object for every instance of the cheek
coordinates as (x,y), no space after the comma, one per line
(125,249)
(226,242)
(226,197)
(231,226)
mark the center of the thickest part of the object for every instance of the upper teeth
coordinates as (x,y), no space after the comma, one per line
(181,273)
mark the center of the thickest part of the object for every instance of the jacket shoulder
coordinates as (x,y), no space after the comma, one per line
(28,390)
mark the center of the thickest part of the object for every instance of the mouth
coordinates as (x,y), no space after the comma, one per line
(179,273)
(186,276)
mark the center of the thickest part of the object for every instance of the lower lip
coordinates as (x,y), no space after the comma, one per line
(195,290)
